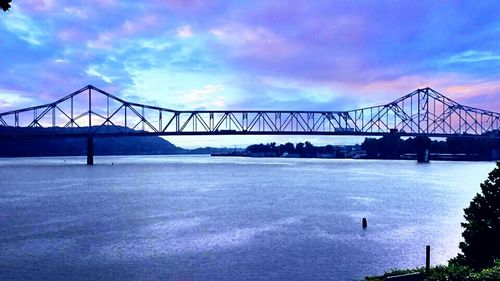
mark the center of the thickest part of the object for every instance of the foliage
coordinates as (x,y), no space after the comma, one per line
(390,147)
(487,274)
(5,4)
(481,246)
(306,149)
(452,272)
(393,272)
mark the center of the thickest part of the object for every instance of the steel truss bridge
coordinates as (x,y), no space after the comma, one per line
(91,112)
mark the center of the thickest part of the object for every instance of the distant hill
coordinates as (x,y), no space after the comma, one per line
(78,146)
(137,145)
(74,146)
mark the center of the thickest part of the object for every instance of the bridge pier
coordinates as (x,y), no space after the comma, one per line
(90,150)
(423,149)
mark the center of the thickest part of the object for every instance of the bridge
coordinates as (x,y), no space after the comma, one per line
(91,112)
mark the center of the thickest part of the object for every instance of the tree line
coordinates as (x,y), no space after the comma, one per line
(306,149)
(388,147)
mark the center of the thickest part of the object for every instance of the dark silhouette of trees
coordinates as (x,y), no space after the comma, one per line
(287,147)
(299,148)
(391,147)
(481,244)
(272,148)
(5,5)
(388,147)
(306,149)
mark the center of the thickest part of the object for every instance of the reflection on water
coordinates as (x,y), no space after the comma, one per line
(203,218)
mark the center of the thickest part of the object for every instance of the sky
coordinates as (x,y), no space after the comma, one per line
(283,55)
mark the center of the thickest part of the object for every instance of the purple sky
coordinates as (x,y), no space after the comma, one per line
(310,55)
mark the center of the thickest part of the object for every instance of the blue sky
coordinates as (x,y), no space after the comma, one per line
(194,54)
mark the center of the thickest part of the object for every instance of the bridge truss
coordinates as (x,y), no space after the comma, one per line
(94,112)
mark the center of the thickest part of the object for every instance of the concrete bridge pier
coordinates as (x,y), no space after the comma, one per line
(90,150)
(423,149)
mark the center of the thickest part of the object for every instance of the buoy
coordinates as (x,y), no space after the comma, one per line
(365,223)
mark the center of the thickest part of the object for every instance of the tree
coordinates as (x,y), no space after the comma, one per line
(287,147)
(481,244)
(4,4)
(300,148)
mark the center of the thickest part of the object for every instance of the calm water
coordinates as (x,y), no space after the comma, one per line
(202,218)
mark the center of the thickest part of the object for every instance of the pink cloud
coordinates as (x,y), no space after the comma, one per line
(106,3)
(183,4)
(130,27)
(461,88)
(36,6)
(106,40)
(71,35)
(257,42)
(184,31)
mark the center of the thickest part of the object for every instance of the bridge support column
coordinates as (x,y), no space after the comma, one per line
(423,149)
(90,151)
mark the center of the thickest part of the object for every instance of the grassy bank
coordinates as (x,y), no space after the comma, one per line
(450,272)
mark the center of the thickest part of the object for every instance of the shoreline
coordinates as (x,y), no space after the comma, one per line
(433,157)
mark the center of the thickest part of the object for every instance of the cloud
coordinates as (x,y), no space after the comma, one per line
(473,56)
(184,31)
(252,55)
(254,42)
(92,71)
(207,97)
(37,6)
(9,98)
(23,27)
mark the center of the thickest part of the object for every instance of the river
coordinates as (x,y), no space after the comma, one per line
(225,218)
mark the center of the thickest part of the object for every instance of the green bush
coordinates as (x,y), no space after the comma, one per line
(487,274)
(393,272)
(452,272)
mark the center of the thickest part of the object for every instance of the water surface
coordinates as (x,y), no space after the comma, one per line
(203,218)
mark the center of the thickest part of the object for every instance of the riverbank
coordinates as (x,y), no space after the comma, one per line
(407,156)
